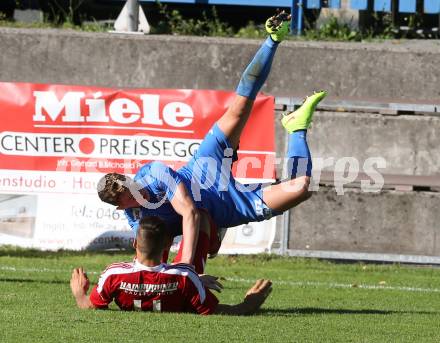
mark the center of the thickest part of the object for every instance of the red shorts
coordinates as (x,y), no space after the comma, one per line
(205,245)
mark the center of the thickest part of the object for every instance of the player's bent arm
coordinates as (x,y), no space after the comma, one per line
(253,300)
(79,284)
(84,302)
(184,205)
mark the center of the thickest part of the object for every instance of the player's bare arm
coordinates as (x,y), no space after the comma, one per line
(184,205)
(79,284)
(252,301)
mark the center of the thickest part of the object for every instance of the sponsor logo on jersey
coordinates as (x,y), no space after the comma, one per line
(147,288)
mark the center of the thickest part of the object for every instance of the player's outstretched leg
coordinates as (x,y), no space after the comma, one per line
(253,78)
(292,192)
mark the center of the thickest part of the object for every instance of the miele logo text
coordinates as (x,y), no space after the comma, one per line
(74,107)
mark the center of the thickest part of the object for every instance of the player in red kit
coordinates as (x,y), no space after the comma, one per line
(148,285)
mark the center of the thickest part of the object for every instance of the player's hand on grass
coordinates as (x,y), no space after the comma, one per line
(79,283)
(211,282)
(253,300)
(257,294)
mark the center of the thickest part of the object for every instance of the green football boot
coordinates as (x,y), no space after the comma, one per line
(278,26)
(302,117)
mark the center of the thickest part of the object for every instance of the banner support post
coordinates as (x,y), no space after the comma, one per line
(133,15)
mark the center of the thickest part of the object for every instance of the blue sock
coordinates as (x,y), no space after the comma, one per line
(298,153)
(257,71)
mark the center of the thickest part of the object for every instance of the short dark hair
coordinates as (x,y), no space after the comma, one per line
(151,237)
(111,186)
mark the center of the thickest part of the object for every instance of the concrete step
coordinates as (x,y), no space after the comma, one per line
(365,181)
(389,69)
(383,106)
(406,144)
(390,222)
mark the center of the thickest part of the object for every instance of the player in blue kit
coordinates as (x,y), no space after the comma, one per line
(205,184)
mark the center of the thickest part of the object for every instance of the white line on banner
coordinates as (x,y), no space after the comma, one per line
(275,282)
(113,127)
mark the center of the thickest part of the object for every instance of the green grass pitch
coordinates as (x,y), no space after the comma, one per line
(312,301)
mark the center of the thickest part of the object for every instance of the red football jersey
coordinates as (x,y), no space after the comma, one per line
(163,288)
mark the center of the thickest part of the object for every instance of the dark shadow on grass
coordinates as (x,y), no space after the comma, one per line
(34,281)
(318,310)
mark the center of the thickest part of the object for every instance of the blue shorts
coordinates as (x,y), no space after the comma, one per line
(214,159)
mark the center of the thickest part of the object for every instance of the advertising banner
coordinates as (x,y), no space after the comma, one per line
(57,141)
